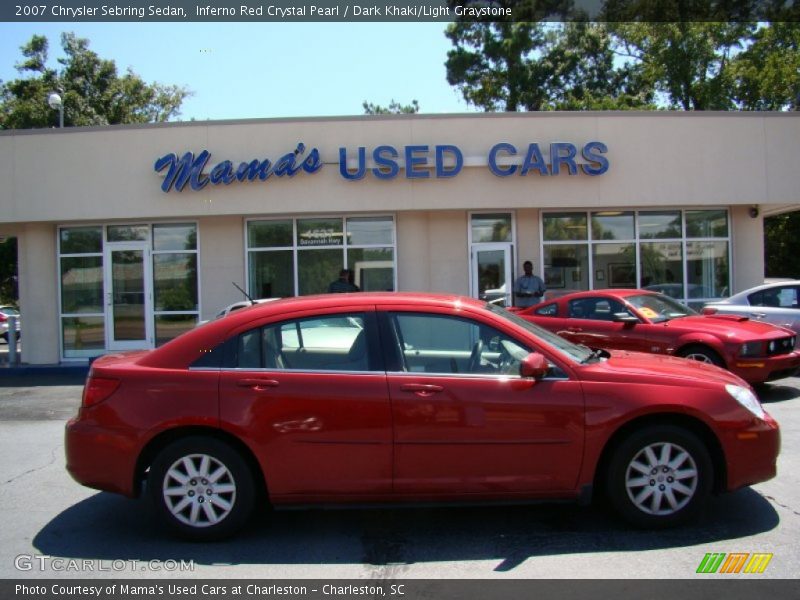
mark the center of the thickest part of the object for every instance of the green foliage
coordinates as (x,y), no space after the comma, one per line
(781,233)
(625,65)
(8,271)
(394,108)
(536,66)
(92,91)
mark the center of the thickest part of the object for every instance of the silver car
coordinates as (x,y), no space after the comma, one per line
(776,303)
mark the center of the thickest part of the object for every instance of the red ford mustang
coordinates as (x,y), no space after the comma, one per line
(365,398)
(643,321)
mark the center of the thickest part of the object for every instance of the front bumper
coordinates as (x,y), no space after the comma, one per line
(759,370)
(752,453)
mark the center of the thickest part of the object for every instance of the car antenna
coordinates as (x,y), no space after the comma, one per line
(246,295)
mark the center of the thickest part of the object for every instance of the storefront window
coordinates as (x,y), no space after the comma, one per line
(659,225)
(565,226)
(81,278)
(171,237)
(373,268)
(624,253)
(83,336)
(491,228)
(81,240)
(662,267)
(271,274)
(175,292)
(317,253)
(316,269)
(270,234)
(566,267)
(614,265)
(175,282)
(706,223)
(81,284)
(128,233)
(612,225)
(706,270)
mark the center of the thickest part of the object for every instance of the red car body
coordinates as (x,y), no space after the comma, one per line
(588,318)
(517,414)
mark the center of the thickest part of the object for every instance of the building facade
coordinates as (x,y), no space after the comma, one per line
(128,236)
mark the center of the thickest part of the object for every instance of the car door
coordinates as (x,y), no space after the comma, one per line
(590,321)
(465,422)
(777,305)
(308,394)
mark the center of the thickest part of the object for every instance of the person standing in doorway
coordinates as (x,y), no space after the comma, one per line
(344,284)
(528,288)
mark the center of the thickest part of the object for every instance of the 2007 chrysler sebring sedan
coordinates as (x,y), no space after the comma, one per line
(373,398)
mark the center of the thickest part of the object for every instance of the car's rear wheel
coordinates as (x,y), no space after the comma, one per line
(659,476)
(702,354)
(202,488)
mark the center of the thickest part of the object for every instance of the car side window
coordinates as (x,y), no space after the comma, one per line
(327,343)
(548,310)
(455,345)
(596,309)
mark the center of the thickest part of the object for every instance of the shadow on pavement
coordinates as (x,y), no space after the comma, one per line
(109,527)
(780,391)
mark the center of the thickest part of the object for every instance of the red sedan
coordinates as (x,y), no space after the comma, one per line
(378,398)
(643,321)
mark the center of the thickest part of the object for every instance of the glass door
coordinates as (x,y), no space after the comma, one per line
(129,310)
(491,273)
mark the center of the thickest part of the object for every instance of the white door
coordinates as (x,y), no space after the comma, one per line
(491,276)
(129,297)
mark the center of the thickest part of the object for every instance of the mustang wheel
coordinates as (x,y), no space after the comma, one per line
(702,354)
(659,476)
(202,488)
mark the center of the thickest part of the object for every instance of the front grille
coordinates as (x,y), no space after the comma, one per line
(780,346)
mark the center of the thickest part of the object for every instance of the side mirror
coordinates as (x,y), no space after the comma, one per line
(623,317)
(534,366)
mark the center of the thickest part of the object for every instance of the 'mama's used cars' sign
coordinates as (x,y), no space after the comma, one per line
(384,162)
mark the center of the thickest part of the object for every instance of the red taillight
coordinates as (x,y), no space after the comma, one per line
(3,317)
(98,389)
(708,310)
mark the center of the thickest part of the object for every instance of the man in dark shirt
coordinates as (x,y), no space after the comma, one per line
(343,284)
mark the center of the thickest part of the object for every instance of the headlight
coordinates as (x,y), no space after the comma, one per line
(747,399)
(751,350)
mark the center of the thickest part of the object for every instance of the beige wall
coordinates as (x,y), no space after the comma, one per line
(656,159)
(747,249)
(221,262)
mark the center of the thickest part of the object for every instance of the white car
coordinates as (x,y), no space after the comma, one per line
(236,306)
(777,303)
(5,312)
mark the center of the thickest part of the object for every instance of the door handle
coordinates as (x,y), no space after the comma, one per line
(422,389)
(257,384)
(574,329)
(758,315)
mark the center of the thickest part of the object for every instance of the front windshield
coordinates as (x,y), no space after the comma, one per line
(659,308)
(566,348)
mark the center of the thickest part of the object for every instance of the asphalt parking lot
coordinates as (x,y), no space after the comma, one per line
(49,520)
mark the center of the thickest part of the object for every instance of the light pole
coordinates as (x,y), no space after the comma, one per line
(55,101)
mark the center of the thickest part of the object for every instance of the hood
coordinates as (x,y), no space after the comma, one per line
(727,326)
(624,366)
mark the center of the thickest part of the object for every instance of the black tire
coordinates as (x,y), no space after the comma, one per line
(202,509)
(702,354)
(659,493)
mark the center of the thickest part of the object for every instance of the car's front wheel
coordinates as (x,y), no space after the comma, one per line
(202,488)
(659,476)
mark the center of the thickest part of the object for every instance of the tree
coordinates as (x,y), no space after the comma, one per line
(92,91)
(781,233)
(767,73)
(536,66)
(690,63)
(394,108)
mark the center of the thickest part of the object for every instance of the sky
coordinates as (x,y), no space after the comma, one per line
(258,70)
